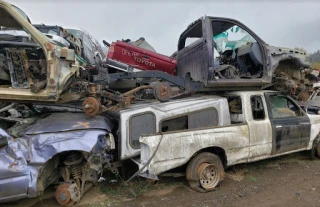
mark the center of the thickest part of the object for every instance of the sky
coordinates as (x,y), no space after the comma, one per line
(280,23)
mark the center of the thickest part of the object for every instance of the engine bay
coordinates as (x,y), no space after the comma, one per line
(22,68)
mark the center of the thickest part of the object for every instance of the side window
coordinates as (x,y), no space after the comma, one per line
(236,47)
(205,118)
(175,124)
(282,107)
(191,35)
(257,108)
(235,109)
(141,124)
(199,119)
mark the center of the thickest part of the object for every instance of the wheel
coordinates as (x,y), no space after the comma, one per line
(67,194)
(204,172)
(318,150)
(314,153)
(162,91)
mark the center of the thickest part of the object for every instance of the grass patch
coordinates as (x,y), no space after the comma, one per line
(119,191)
(251,179)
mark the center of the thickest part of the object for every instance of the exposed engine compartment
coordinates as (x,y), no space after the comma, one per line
(23,68)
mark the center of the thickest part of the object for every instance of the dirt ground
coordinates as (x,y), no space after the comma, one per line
(291,180)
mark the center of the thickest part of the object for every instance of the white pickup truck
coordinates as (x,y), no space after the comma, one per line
(254,125)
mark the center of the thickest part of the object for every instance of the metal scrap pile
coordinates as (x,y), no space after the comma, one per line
(58,65)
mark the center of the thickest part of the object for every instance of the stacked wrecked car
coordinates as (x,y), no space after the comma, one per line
(63,101)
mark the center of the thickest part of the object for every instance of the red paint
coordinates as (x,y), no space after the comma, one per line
(140,58)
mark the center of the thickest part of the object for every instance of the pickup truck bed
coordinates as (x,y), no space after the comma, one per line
(264,124)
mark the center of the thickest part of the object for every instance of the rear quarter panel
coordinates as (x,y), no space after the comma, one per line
(177,148)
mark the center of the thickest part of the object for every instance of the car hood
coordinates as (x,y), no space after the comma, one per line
(15,33)
(310,103)
(55,39)
(59,122)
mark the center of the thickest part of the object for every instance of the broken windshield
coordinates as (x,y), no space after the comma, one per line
(232,38)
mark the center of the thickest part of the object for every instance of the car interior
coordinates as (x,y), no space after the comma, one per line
(239,54)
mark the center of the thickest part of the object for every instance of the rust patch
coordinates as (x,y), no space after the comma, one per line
(244,131)
(57,67)
(52,81)
(91,106)
(64,52)
(12,164)
(49,46)
(85,124)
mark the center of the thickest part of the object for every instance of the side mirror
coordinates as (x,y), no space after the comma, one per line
(106,43)
(3,141)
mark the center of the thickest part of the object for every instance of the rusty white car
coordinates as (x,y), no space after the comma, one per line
(33,68)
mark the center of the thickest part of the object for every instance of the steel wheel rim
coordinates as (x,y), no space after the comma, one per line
(208,175)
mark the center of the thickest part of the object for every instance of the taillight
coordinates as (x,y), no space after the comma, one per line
(110,52)
(111,48)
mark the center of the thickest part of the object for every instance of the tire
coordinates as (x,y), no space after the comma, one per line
(314,153)
(204,172)
(317,149)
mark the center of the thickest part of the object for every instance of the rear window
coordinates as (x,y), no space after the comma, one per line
(141,124)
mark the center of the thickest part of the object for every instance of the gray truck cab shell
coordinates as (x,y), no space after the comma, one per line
(147,119)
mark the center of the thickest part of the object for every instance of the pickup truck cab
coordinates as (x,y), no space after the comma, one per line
(261,125)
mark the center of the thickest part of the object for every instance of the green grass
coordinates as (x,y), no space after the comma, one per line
(251,179)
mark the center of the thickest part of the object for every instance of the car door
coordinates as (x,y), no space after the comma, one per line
(291,126)
(259,127)
(193,53)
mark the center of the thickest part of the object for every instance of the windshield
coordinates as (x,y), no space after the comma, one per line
(48,30)
(77,33)
(231,39)
(22,13)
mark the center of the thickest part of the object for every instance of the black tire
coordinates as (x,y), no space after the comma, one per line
(196,164)
(317,150)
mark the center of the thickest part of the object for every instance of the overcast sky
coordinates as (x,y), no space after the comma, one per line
(279,23)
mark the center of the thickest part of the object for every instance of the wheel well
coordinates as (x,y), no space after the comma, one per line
(48,175)
(217,151)
(290,67)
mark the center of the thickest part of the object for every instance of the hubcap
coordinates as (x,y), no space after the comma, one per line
(208,175)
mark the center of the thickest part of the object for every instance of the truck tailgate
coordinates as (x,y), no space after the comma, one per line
(136,57)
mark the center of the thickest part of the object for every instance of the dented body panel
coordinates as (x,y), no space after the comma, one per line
(182,145)
(60,66)
(251,140)
(243,61)
(29,164)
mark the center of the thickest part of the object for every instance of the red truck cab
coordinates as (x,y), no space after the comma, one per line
(130,58)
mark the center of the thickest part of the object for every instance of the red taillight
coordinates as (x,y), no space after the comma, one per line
(110,52)
(111,48)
